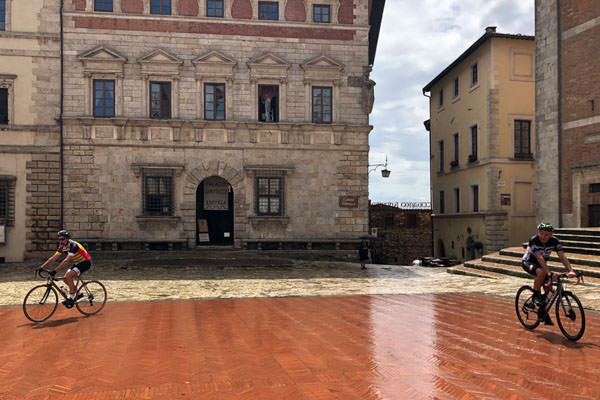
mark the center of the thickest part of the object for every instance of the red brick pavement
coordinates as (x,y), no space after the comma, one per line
(449,346)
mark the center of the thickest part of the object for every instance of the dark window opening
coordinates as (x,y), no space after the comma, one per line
(2,15)
(3,106)
(268,10)
(321,104)
(522,139)
(158,195)
(268,103)
(456,147)
(456,87)
(473,155)
(594,187)
(7,201)
(441,102)
(162,7)
(214,8)
(474,75)
(475,198)
(442,202)
(321,13)
(4,188)
(104,98)
(160,100)
(103,5)
(441,151)
(389,221)
(456,200)
(411,220)
(269,198)
(214,101)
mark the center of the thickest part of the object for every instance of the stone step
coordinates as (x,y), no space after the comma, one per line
(479,273)
(590,260)
(497,270)
(579,244)
(578,231)
(554,266)
(578,238)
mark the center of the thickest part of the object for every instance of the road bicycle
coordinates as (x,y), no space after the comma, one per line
(41,301)
(569,311)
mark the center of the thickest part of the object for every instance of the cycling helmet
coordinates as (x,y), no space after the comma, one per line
(64,233)
(545,227)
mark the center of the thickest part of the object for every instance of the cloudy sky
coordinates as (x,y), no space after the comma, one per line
(418,39)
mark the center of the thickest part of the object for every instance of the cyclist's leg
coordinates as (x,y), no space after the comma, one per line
(71,274)
(539,276)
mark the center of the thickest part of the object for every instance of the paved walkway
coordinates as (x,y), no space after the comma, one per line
(292,330)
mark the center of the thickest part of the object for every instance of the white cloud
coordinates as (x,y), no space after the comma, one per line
(418,39)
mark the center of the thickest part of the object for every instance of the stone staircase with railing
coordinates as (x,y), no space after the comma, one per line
(582,247)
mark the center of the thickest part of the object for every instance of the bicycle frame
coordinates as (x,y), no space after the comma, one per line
(557,293)
(51,282)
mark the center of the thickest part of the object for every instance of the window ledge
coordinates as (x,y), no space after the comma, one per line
(257,219)
(475,86)
(147,220)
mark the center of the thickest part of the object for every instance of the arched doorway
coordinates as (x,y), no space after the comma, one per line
(214,212)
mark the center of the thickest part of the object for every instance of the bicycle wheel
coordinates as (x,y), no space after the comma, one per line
(93,299)
(570,316)
(40,303)
(526,310)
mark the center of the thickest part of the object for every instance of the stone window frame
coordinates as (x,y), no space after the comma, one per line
(94,98)
(269,74)
(214,101)
(7,81)
(512,119)
(321,6)
(226,9)
(323,71)
(214,71)
(173,8)
(474,73)
(334,6)
(142,171)
(160,70)
(322,121)
(8,184)
(7,16)
(102,69)
(280,10)
(90,6)
(254,172)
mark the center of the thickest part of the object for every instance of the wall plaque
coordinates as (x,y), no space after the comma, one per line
(349,201)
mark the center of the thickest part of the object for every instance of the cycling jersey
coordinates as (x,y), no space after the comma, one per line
(536,246)
(72,248)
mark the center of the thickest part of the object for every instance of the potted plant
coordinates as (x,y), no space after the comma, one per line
(454,163)
(472,157)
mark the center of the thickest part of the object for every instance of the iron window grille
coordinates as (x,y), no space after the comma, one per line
(162,7)
(321,13)
(158,195)
(104,98)
(103,5)
(7,200)
(269,196)
(160,100)
(214,101)
(321,104)
(214,8)
(268,10)
(522,139)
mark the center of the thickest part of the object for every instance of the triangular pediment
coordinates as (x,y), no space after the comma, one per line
(160,56)
(322,62)
(214,58)
(101,53)
(268,59)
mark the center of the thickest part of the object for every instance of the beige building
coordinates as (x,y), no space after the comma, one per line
(482,150)
(29,132)
(211,122)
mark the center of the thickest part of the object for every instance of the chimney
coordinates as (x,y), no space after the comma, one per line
(490,29)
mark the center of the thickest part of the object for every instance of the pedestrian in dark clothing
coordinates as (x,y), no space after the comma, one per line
(363,253)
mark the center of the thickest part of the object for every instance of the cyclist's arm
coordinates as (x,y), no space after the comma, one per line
(50,261)
(566,263)
(65,262)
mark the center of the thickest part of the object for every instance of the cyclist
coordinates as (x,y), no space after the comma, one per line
(75,252)
(535,262)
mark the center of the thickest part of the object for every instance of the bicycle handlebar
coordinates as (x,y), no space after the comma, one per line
(578,275)
(44,273)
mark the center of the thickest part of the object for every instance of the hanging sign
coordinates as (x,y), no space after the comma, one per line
(216,196)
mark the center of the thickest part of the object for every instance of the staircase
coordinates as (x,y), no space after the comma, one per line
(581,245)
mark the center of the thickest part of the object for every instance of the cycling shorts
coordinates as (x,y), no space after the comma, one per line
(530,267)
(81,267)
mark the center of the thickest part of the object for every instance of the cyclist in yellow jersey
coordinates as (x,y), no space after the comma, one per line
(75,252)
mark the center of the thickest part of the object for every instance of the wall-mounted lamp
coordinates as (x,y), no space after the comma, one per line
(385,172)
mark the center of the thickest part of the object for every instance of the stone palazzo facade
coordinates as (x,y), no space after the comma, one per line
(191,125)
